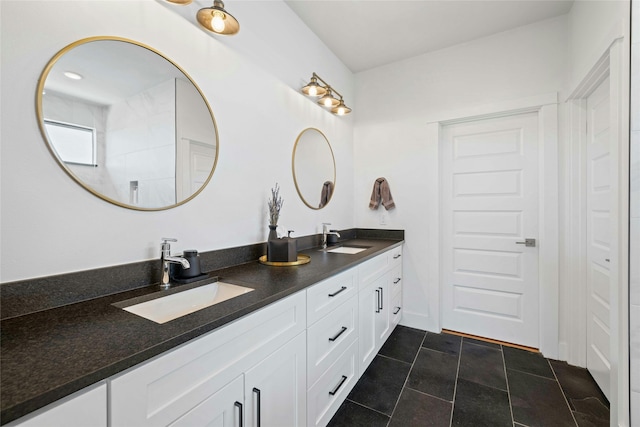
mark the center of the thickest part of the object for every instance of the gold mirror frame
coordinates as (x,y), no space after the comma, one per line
(41,121)
(296,179)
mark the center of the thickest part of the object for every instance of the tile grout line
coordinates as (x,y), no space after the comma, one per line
(366,407)
(564,396)
(407,379)
(506,380)
(455,385)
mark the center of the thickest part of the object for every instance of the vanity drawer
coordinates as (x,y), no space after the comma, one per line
(326,395)
(328,338)
(329,294)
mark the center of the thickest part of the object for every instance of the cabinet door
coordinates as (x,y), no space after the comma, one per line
(383,313)
(223,409)
(369,314)
(276,388)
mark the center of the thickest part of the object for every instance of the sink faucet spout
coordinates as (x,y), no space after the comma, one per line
(166,259)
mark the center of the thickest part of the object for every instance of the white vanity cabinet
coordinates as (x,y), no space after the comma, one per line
(291,363)
(253,351)
(86,408)
(380,300)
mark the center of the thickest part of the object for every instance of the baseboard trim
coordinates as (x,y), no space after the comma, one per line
(476,337)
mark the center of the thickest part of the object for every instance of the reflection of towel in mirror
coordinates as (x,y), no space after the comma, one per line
(327,191)
(381,192)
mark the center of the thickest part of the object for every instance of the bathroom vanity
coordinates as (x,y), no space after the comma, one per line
(287,353)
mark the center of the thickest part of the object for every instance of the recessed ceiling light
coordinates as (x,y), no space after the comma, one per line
(72,75)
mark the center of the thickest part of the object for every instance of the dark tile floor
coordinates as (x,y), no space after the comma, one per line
(424,379)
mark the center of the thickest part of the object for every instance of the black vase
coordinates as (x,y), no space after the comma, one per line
(272,232)
(273,235)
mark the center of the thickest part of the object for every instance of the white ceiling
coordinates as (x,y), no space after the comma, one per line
(365,34)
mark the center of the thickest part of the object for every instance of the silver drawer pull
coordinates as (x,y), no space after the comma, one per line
(335,390)
(338,291)
(344,328)
(397,280)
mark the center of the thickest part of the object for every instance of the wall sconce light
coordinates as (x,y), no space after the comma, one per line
(214,18)
(325,92)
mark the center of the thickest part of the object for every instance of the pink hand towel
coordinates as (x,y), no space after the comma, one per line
(381,193)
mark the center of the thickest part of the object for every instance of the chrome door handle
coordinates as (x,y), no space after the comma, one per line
(530,243)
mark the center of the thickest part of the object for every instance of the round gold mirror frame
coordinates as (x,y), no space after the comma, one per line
(41,121)
(314,161)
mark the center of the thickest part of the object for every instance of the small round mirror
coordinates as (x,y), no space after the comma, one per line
(127,123)
(314,168)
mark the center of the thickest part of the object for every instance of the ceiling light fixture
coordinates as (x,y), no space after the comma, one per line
(325,91)
(218,20)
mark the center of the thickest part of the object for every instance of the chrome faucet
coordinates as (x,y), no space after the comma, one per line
(326,232)
(166,259)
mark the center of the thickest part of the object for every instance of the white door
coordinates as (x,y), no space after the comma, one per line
(598,236)
(193,167)
(489,207)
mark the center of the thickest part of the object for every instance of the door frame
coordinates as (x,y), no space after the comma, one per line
(614,64)
(546,107)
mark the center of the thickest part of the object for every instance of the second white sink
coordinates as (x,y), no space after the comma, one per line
(164,309)
(347,250)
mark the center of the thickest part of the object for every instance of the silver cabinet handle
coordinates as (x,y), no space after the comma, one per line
(378,300)
(397,310)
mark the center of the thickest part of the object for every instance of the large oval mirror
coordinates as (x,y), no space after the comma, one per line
(127,123)
(314,168)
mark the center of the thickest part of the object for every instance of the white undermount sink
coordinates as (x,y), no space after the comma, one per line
(347,250)
(164,309)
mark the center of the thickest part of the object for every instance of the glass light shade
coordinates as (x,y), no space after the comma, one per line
(341,109)
(313,88)
(218,20)
(183,2)
(328,100)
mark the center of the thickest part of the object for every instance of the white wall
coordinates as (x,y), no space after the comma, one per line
(390,136)
(51,225)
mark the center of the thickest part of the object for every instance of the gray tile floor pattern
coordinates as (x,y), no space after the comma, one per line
(424,379)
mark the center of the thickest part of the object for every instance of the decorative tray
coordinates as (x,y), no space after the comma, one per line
(302,259)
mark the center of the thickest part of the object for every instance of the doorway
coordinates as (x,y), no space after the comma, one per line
(490,205)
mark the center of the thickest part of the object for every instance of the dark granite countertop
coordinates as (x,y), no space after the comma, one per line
(50,354)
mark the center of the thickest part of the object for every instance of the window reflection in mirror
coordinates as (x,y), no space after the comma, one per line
(314,169)
(155,141)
